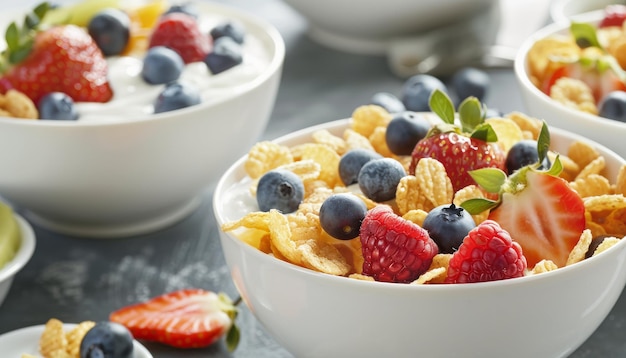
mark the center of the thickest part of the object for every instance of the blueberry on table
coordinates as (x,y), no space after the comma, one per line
(231,29)
(226,54)
(388,101)
(177,95)
(613,106)
(341,215)
(279,189)
(416,92)
(379,178)
(161,65)
(351,163)
(404,131)
(57,106)
(469,82)
(524,153)
(110,29)
(185,8)
(107,340)
(448,225)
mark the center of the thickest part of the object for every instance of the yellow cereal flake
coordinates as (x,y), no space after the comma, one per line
(440,260)
(323,257)
(265,156)
(471,192)
(570,168)
(580,250)
(617,49)
(304,226)
(366,118)
(507,130)
(53,338)
(544,266)
(427,189)
(313,202)
(75,337)
(415,216)
(582,153)
(605,202)
(305,169)
(280,236)
(355,140)
(323,136)
(526,123)
(591,185)
(550,49)
(430,275)
(615,222)
(596,166)
(607,243)
(358,276)
(328,160)
(310,186)
(254,220)
(379,142)
(620,184)
(16,104)
(575,94)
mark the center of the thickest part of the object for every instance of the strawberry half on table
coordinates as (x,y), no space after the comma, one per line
(536,207)
(61,58)
(189,318)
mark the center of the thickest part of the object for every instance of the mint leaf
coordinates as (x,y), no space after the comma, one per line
(41,10)
(12,37)
(442,106)
(470,114)
(585,34)
(556,167)
(490,179)
(543,142)
(485,133)
(478,205)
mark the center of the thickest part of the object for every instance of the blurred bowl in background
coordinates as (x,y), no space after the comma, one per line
(563,10)
(21,258)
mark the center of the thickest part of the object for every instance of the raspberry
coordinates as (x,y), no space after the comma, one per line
(487,254)
(394,249)
(614,15)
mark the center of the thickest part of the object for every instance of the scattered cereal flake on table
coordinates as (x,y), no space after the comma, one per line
(580,250)
(366,118)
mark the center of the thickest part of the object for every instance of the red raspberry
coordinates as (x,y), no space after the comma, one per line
(181,33)
(614,15)
(487,254)
(394,249)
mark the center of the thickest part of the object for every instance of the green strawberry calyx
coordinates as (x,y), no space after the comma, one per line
(493,180)
(586,36)
(471,115)
(229,307)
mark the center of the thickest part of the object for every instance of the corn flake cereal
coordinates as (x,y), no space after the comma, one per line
(607,243)
(507,130)
(582,153)
(580,250)
(53,338)
(591,185)
(415,216)
(596,166)
(379,142)
(358,276)
(544,266)
(325,137)
(17,105)
(471,192)
(75,337)
(620,184)
(281,239)
(328,160)
(427,189)
(323,257)
(526,123)
(305,169)
(355,140)
(366,118)
(265,156)
(430,276)
(605,202)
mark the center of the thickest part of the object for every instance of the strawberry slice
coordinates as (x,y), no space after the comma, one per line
(190,318)
(546,218)
(601,82)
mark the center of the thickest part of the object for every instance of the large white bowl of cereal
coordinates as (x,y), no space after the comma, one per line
(572,74)
(384,288)
(140,143)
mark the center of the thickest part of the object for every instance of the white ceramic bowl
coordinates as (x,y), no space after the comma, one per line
(563,10)
(317,315)
(21,258)
(365,26)
(129,176)
(602,130)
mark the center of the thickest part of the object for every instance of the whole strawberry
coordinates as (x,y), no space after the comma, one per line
(181,33)
(487,254)
(459,149)
(394,249)
(59,59)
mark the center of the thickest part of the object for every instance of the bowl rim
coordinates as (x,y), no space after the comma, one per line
(520,69)
(237,168)
(24,253)
(277,58)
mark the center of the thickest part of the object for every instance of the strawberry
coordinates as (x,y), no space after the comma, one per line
(536,207)
(614,15)
(189,318)
(181,33)
(394,249)
(59,59)
(487,254)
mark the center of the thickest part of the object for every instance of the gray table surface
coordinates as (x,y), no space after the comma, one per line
(75,279)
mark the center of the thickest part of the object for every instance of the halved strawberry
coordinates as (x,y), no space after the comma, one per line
(601,79)
(538,209)
(181,33)
(189,318)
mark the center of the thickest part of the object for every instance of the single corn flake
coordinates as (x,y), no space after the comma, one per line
(526,123)
(323,136)
(358,276)
(620,183)
(254,220)
(580,250)
(427,189)
(379,142)
(615,222)
(304,226)
(281,239)
(265,156)
(305,169)
(75,337)
(430,275)
(53,338)
(606,244)
(582,153)
(18,105)
(328,160)
(507,130)
(544,266)
(355,140)
(540,54)
(591,185)
(575,94)
(323,257)
(570,168)
(605,202)
(596,166)
(366,118)
(416,216)
(471,192)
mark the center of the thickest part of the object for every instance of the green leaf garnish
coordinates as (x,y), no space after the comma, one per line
(442,106)
(12,36)
(585,33)
(478,205)
(485,133)
(490,179)
(543,142)
(20,39)
(470,114)
(556,168)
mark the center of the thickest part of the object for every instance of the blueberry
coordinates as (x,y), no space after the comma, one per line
(524,153)
(110,29)
(613,106)
(404,131)
(379,178)
(107,340)
(185,8)
(58,106)
(161,65)
(279,189)
(468,82)
(351,162)
(416,92)
(448,225)
(226,54)
(177,95)
(231,29)
(388,101)
(341,215)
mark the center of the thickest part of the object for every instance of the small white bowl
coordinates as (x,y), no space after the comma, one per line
(21,258)
(128,176)
(602,130)
(318,315)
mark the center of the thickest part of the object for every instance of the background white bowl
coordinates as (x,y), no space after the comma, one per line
(21,258)
(317,315)
(128,177)
(563,10)
(602,130)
